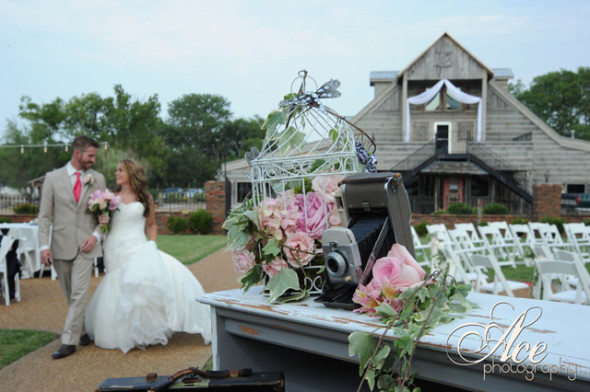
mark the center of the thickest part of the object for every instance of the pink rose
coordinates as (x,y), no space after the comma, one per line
(326,186)
(243,261)
(314,214)
(398,270)
(274,267)
(302,242)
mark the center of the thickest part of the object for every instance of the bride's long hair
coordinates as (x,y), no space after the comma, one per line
(138,183)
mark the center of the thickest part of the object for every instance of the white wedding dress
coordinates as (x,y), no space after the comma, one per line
(146,295)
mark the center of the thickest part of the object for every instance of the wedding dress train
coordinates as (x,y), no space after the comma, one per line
(146,295)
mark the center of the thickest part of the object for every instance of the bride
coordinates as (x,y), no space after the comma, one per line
(146,295)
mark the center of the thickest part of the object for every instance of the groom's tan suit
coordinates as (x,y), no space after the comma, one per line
(71,226)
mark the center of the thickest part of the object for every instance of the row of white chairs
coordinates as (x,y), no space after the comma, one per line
(510,243)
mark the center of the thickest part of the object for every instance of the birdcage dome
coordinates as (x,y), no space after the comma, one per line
(304,139)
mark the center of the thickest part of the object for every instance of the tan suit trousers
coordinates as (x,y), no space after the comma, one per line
(74,277)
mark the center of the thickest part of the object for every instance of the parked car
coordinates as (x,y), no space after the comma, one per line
(192,192)
(575,200)
(178,192)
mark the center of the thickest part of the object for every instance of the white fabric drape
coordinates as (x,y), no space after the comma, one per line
(454,92)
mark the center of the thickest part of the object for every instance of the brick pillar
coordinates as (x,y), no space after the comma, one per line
(215,202)
(546,200)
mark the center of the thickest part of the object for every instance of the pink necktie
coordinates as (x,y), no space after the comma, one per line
(77,187)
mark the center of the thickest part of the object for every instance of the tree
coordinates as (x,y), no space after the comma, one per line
(560,99)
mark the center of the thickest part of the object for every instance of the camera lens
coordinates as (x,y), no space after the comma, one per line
(335,264)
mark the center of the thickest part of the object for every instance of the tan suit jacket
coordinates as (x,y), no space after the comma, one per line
(71,223)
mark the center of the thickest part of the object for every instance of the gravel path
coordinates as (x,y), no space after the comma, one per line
(43,307)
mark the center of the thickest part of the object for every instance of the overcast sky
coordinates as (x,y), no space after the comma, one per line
(250,51)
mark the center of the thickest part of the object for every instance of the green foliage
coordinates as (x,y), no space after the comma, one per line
(421,229)
(587,222)
(519,221)
(200,221)
(483,223)
(438,212)
(495,209)
(560,99)
(554,221)
(4,219)
(460,209)
(177,224)
(25,208)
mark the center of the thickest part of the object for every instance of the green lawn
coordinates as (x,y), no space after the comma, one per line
(17,343)
(190,248)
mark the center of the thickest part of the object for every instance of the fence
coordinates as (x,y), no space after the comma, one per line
(7,202)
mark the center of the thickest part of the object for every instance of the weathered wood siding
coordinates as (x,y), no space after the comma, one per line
(445,60)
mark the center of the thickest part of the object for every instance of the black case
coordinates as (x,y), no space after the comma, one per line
(256,382)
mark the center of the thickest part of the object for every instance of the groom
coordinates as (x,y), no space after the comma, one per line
(72,243)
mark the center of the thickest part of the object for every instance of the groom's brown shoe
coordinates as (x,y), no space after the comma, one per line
(63,351)
(85,340)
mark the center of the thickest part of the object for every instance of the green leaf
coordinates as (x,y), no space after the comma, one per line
(252,216)
(333,133)
(423,293)
(277,285)
(370,377)
(290,137)
(294,297)
(252,277)
(381,356)
(272,248)
(404,344)
(362,345)
(273,120)
(385,310)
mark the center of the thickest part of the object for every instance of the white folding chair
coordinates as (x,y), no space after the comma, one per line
(500,284)
(419,247)
(553,237)
(463,240)
(578,235)
(441,233)
(537,229)
(461,269)
(7,242)
(522,234)
(548,269)
(494,241)
(509,239)
(473,233)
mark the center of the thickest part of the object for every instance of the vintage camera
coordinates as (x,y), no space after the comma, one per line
(377,212)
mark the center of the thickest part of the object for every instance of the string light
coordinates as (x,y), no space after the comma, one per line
(22,149)
(45,147)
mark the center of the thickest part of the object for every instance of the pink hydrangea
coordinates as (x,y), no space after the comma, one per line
(243,260)
(299,242)
(275,266)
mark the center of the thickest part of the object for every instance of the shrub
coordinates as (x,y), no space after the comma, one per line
(587,222)
(438,212)
(460,209)
(4,219)
(421,229)
(495,209)
(519,221)
(177,224)
(554,221)
(25,208)
(200,221)
(483,223)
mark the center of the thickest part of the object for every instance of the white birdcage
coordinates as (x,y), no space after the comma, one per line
(306,139)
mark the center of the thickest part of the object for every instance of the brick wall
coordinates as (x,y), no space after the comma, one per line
(215,201)
(546,200)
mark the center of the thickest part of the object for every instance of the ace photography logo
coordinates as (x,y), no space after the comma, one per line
(503,350)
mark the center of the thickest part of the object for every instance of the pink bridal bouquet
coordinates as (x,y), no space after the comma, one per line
(276,241)
(101,203)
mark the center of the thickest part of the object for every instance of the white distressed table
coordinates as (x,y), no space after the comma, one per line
(309,343)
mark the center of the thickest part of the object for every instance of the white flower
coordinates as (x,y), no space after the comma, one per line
(89,179)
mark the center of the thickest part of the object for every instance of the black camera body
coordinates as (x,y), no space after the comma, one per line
(377,212)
